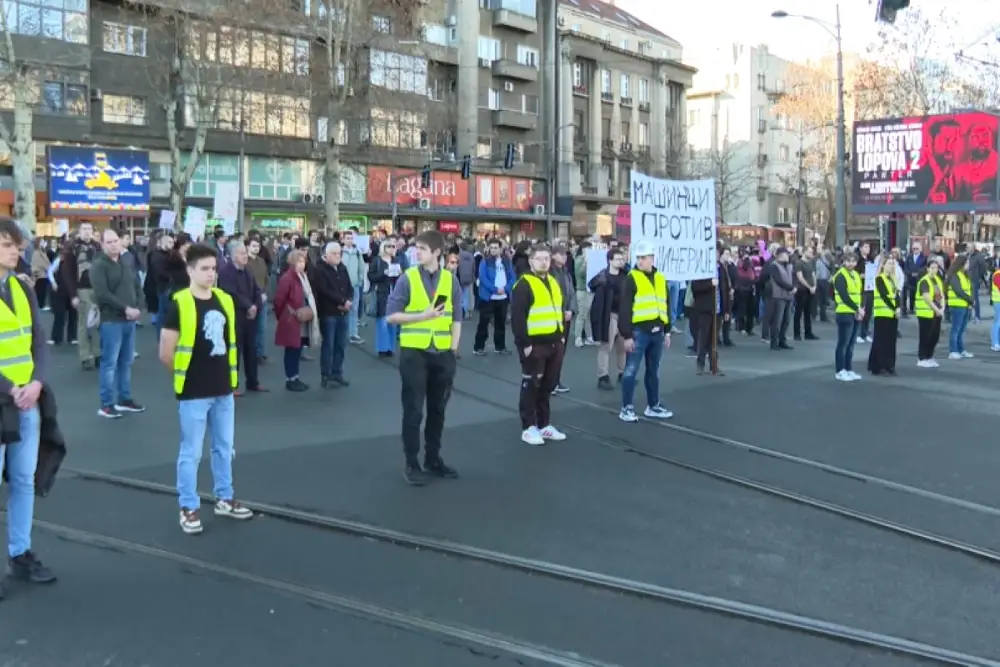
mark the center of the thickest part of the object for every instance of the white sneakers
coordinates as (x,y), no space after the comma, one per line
(537,436)
(847,376)
(927,363)
(961,355)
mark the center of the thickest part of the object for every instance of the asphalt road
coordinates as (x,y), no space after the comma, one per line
(263,592)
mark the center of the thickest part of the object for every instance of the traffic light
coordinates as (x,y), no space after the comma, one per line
(508,158)
(466,167)
(887,10)
(425,177)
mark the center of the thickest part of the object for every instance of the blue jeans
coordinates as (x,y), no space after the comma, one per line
(261,320)
(355,313)
(20,459)
(676,304)
(117,350)
(215,417)
(161,312)
(467,303)
(847,334)
(648,347)
(293,358)
(975,301)
(956,337)
(385,335)
(995,332)
(334,330)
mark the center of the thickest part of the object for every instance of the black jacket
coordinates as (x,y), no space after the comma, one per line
(51,444)
(332,288)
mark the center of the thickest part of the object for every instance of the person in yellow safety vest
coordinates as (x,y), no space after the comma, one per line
(426,304)
(23,362)
(538,319)
(198,345)
(959,299)
(644,324)
(929,307)
(848,294)
(995,299)
(885,312)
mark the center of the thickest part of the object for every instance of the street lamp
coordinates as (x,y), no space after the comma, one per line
(840,205)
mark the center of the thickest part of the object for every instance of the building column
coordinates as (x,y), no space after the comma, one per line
(565,92)
(596,140)
(616,132)
(467,102)
(659,99)
(633,125)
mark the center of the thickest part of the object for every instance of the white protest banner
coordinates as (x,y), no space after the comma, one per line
(597,261)
(62,226)
(167,219)
(678,218)
(195,220)
(226,202)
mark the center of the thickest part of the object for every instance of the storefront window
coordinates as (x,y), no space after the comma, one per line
(277,223)
(276,179)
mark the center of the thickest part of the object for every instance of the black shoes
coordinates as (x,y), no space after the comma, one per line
(437,468)
(334,382)
(414,475)
(296,385)
(27,567)
(604,382)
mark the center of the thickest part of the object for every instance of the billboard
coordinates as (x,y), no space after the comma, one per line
(447,189)
(927,164)
(98,180)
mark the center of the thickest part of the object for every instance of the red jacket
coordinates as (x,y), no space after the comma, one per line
(287,299)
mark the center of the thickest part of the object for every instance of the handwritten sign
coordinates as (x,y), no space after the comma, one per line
(678,219)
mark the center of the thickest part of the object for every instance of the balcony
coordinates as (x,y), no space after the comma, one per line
(609,144)
(608,97)
(643,150)
(510,69)
(761,160)
(625,147)
(761,126)
(515,119)
(581,90)
(644,106)
(775,93)
(626,101)
(503,18)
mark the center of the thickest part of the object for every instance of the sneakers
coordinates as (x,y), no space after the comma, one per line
(27,567)
(844,376)
(129,406)
(296,385)
(414,475)
(954,355)
(532,436)
(552,433)
(627,414)
(560,389)
(968,355)
(928,363)
(604,383)
(436,467)
(658,412)
(109,412)
(190,521)
(356,340)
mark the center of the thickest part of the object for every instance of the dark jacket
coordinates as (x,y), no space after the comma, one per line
(116,287)
(240,285)
(176,274)
(704,294)
(76,257)
(331,287)
(381,284)
(51,444)
(600,307)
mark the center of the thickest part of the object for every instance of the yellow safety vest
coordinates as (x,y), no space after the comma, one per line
(434,333)
(854,285)
(993,287)
(546,314)
(16,362)
(920,306)
(650,301)
(882,307)
(188,312)
(954,300)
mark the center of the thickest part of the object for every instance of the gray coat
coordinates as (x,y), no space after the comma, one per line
(786,271)
(569,292)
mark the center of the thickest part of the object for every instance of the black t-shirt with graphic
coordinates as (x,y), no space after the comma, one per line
(208,374)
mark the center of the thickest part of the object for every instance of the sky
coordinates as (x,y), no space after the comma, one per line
(750,22)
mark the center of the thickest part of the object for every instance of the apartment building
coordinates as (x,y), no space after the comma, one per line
(738,136)
(461,78)
(621,90)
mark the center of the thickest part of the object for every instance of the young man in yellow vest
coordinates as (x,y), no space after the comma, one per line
(848,294)
(537,321)
(644,324)
(23,357)
(198,345)
(426,304)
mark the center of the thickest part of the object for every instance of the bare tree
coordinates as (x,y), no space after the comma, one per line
(19,88)
(732,172)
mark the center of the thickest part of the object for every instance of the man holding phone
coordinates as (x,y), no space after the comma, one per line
(426,305)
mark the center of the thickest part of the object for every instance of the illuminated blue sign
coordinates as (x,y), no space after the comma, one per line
(98,180)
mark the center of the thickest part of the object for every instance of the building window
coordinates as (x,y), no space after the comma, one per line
(761,81)
(126,40)
(529,104)
(437,34)
(624,45)
(783,152)
(124,110)
(67,99)
(527,56)
(65,21)
(526,7)
(626,83)
(644,90)
(606,127)
(644,134)
(394,128)
(493,99)
(399,72)
(489,48)
(694,116)
(606,81)
(382,24)
(484,148)
(626,130)
(577,75)
(250,49)
(606,36)
(254,113)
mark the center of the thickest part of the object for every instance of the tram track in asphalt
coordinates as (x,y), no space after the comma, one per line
(725,607)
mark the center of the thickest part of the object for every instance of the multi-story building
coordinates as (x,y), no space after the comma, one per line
(738,135)
(461,78)
(621,103)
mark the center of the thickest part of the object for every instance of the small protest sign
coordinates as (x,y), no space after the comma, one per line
(678,219)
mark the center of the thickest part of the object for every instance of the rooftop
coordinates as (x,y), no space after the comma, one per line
(607,11)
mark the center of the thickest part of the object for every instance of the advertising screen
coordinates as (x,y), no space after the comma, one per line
(928,164)
(98,180)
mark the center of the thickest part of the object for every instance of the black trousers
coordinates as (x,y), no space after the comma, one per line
(427,378)
(703,339)
(539,376)
(63,320)
(41,291)
(246,348)
(929,334)
(803,312)
(746,302)
(882,356)
(495,310)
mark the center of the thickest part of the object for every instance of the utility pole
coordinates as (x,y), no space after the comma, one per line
(800,232)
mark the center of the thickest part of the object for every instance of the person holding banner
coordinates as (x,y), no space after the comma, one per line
(644,324)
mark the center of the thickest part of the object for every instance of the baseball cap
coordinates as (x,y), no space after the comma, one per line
(644,248)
